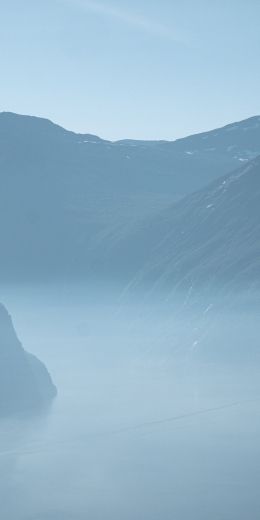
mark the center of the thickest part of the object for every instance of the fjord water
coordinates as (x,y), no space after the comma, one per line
(157,414)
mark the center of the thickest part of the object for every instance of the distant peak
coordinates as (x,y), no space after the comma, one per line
(31,124)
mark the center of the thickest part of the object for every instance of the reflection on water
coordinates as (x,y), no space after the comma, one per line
(147,424)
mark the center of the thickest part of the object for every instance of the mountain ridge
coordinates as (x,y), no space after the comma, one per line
(63,193)
(5,114)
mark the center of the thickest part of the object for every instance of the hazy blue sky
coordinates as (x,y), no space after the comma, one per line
(131,68)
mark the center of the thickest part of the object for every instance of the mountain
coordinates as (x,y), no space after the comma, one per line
(25,384)
(209,237)
(63,194)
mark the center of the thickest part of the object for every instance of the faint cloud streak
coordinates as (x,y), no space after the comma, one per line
(138,22)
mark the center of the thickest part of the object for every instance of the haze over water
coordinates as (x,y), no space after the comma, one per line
(148,422)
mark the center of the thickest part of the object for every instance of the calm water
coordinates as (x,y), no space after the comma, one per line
(143,427)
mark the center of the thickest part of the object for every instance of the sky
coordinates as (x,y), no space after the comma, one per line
(142,69)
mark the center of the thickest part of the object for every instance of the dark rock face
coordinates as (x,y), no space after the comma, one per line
(25,384)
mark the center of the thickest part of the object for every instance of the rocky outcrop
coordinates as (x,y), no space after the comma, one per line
(25,384)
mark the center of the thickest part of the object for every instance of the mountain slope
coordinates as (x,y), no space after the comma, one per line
(211,236)
(63,193)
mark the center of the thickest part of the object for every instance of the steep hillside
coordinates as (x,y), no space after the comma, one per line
(63,193)
(211,236)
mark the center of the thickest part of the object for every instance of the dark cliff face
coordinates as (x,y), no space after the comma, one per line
(24,381)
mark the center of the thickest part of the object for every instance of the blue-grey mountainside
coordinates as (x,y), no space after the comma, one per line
(211,236)
(25,384)
(69,193)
